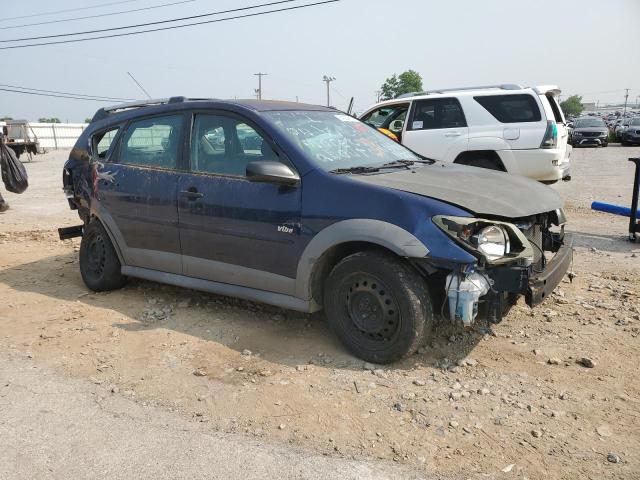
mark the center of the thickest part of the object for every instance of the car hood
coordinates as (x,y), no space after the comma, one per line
(478,190)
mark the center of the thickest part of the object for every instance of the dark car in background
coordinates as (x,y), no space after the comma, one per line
(589,132)
(305,207)
(631,134)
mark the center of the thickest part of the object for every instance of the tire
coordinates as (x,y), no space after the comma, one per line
(605,145)
(99,264)
(389,294)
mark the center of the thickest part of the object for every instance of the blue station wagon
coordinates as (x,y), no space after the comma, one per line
(306,208)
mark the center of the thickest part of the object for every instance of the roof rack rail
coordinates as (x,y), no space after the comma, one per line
(504,86)
(104,112)
(144,103)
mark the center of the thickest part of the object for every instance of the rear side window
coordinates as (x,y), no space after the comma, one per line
(152,142)
(437,113)
(511,108)
(103,141)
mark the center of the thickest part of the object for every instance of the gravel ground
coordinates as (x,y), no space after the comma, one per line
(547,394)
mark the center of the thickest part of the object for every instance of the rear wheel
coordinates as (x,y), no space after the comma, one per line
(99,264)
(378,306)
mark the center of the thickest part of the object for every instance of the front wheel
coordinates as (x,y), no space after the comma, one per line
(378,306)
(99,264)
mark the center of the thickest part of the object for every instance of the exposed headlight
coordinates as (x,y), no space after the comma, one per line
(577,134)
(493,242)
(490,240)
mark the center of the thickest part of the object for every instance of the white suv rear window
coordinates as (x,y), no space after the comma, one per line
(511,108)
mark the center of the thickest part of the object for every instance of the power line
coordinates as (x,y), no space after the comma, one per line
(103,100)
(65,93)
(152,7)
(42,14)
(159,22)
(297,7)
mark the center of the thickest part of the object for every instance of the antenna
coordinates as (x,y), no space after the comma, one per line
(138,83)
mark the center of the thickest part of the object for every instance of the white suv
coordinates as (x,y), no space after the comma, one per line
(520,130)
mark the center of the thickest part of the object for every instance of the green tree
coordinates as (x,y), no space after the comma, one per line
(49,120)
(87,120)
(406,82)
(4,119)
(572,106)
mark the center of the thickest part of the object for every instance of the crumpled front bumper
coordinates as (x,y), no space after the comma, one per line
(540,285)
(510,281)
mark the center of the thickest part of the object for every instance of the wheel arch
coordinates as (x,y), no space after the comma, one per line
(471,156)
(344,238)
(102,216)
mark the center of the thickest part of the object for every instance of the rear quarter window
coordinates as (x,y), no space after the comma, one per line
(102,142)
(511,108)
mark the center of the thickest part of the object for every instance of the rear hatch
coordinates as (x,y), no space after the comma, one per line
(549,95)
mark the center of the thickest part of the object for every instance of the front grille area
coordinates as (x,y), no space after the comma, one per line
(590,134)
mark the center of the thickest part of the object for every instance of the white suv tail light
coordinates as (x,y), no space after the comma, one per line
(550,139)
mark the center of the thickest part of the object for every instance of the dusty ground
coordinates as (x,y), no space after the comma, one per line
(506,402)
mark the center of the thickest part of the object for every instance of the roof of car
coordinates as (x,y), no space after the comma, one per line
(133,108)
(504,88)
(271,105)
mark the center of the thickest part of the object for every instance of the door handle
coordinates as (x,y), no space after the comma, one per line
(452,134)
(191,194)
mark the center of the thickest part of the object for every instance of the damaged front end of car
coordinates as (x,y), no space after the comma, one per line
(525,256)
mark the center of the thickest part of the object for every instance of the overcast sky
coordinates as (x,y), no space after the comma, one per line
(588,47)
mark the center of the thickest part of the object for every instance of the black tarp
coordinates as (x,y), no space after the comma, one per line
(14,174)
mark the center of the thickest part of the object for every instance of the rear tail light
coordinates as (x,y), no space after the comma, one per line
(550,139)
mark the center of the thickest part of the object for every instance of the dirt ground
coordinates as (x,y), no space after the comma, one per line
(507,401)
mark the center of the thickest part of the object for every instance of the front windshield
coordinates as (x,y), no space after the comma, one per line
(589,122)
(635,121)
(337,141)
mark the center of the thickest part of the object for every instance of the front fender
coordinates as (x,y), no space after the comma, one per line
(377,232)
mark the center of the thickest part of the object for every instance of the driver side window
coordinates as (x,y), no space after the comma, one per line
(390,117)
(224,145)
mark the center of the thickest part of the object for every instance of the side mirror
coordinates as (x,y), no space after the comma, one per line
(272,172)
(396,126)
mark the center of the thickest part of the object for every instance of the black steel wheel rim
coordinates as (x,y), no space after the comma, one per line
(96,255)
(372,309)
